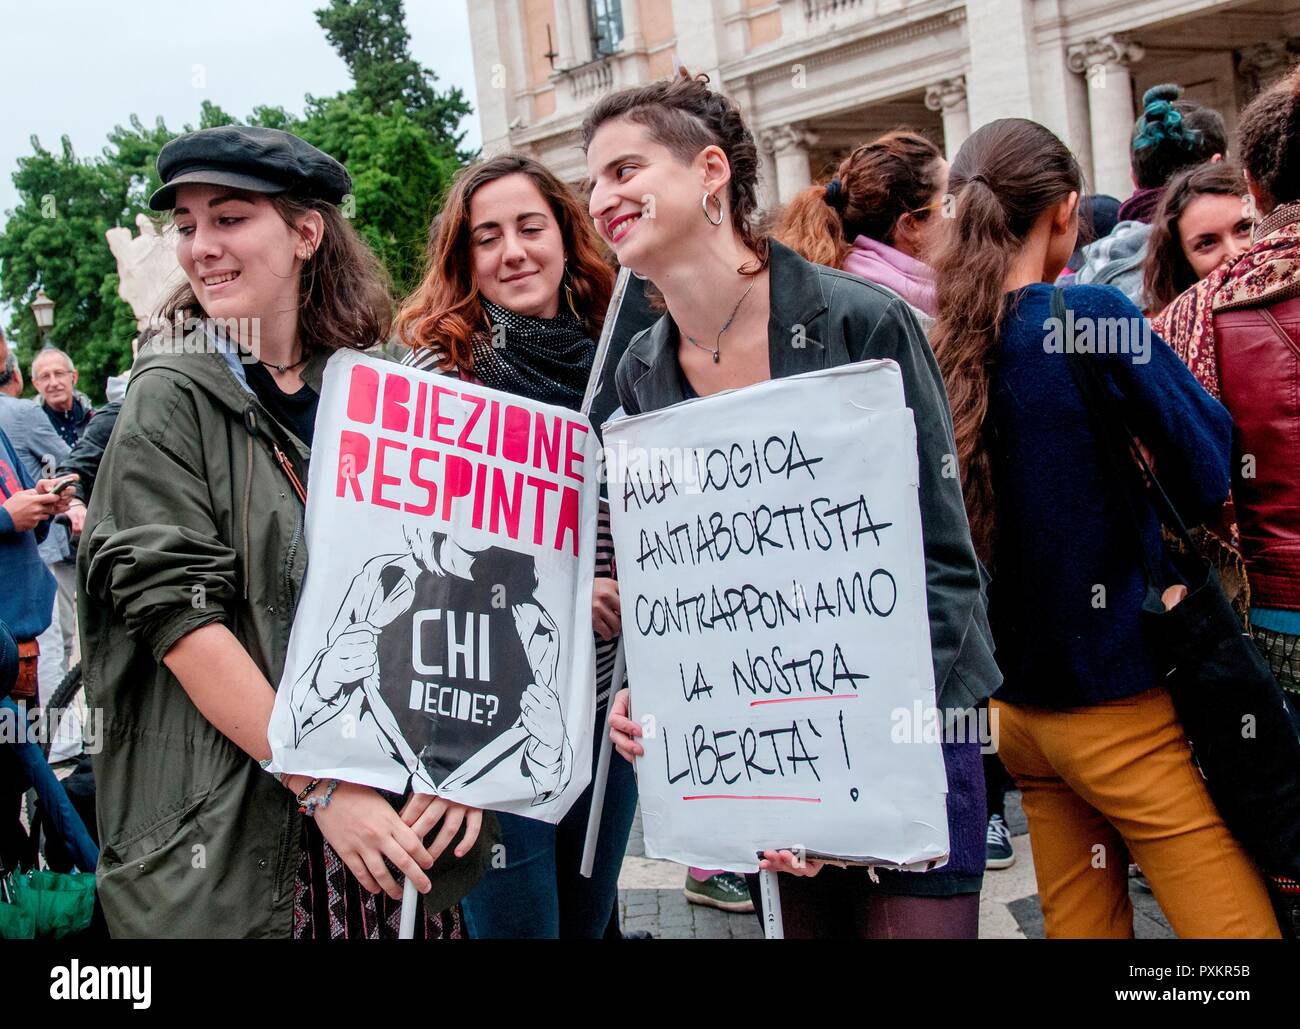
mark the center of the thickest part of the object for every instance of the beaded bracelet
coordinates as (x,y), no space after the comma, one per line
(314,803)
(306,790)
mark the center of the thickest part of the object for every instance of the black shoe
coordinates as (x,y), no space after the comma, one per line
(998,852)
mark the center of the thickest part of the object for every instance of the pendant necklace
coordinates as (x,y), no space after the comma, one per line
(282,368)
(716,350)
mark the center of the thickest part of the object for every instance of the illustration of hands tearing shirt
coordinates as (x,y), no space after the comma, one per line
(446,663)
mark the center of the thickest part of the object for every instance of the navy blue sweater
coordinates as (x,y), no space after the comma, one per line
(26,585)
(1068,580)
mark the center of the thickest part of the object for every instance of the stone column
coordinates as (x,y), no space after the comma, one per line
(788,145)
(1105,62)
(767,195)
(495,80)
(631,65)
(949,99)
(794,18)
(580,27)
(564,35)
(699,43)
(631,25)
(1001,58)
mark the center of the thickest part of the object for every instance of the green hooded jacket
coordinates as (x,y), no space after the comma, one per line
(193,521)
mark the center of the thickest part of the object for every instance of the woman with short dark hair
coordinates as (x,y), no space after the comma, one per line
(735,300)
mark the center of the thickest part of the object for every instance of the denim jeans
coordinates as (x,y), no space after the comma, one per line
(539,893)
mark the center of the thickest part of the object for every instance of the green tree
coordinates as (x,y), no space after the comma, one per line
(398,175)
(394,131)
(371,37)
(54,240)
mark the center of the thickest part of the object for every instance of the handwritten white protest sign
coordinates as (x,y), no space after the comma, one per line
(772,584)
(443,639)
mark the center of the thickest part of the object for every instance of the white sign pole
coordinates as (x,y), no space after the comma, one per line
(410,898)
(620,657)
(770,893)
(602,770)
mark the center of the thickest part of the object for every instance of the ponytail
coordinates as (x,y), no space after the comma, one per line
(970,266)
(811,227)
(1032,170)
(896,174)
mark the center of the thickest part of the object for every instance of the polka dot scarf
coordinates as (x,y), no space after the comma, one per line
(546,359)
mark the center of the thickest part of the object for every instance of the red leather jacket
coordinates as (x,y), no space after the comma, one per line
(1259,379)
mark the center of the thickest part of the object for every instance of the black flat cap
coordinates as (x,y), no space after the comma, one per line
(255,159)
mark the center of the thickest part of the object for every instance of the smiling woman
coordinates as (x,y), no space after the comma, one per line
(674,171)
(511,237)
(1204,219)
(514,297)
(192,565)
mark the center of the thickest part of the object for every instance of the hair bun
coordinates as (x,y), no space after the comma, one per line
(1165,91)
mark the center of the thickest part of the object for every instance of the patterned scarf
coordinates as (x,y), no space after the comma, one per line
(1266,273)
(546,359)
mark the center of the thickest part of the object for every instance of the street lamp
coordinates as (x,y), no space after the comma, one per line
(43,312)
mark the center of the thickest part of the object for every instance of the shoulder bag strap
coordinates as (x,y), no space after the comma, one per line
(1120,445)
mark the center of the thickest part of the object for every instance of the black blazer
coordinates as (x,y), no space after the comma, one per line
(823,318)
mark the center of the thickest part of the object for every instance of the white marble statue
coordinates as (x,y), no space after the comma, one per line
(147,269)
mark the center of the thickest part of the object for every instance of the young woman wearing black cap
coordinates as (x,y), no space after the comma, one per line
(191,567)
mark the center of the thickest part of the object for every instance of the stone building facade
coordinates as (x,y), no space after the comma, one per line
(816,77)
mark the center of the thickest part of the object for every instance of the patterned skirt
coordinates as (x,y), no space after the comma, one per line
(330,904)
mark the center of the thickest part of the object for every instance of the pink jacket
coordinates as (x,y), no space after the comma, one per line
(882,264)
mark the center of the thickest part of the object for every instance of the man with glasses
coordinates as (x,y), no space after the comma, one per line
(55,378)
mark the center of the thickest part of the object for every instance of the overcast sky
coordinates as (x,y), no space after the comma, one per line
(79,67)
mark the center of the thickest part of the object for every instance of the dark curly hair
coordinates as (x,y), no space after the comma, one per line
(1173,134)
(685,116)
(1269,136)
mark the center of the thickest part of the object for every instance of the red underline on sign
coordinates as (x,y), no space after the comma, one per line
(738,796)
(797,700)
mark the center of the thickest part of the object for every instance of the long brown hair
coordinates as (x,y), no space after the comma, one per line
(445,311)
(1006,174)
(878,183)
(1166,271)
(685,116)
(343,289)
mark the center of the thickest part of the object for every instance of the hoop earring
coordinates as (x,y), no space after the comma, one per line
(704,203)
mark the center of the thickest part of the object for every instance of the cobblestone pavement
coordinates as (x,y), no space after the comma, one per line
(651,898)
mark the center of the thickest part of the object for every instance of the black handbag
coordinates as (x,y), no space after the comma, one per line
(1238,721)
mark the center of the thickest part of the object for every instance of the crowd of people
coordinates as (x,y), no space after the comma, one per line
(952,270)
